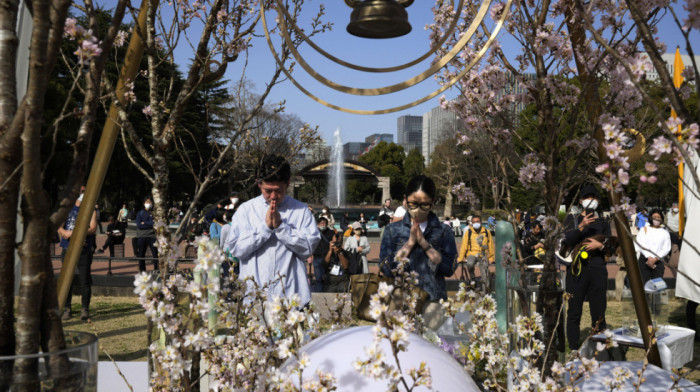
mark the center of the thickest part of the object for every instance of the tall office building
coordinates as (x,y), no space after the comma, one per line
(438,126)
(352,150)
(409,132)
(380,137)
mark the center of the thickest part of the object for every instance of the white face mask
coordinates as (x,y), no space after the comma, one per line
(674,209)
(590,204)
(656,222)
(477,225)
(325,211)
(234,200)
(147,206)
(80,198)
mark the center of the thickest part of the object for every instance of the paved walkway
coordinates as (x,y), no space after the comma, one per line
(122,266)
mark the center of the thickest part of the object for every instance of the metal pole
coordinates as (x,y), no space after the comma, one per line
(102,157)
(635,279)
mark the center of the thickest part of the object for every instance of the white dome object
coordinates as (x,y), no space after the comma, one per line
(335,353)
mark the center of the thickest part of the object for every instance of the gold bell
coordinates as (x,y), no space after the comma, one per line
(379,18)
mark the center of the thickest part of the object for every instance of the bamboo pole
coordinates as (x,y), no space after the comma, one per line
(102,157)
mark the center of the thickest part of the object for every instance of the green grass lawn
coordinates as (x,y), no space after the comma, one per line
(121,327)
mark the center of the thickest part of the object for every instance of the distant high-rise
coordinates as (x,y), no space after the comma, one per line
(438,126)
(380,137)
(669,59)
(352,150)
(409,132)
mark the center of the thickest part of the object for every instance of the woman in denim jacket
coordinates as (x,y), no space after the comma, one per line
(424,240)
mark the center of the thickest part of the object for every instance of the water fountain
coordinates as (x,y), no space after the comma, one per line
(336,176)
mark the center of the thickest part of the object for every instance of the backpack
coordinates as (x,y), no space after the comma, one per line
(469,237)
(383,220)
(354,263)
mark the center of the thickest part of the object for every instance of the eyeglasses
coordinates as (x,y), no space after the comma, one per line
(423,206)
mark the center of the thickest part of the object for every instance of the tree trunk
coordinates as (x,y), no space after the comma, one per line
(448,201)
(10,158)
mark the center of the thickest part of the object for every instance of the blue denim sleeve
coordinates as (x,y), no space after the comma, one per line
(449,253)
(387,252)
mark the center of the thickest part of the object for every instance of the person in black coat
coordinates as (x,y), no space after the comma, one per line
(589,278)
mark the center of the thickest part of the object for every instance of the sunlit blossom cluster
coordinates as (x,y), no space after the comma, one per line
(88,44)
(394,326)
(532,172)
(188,311)
(486,355)
(465,194)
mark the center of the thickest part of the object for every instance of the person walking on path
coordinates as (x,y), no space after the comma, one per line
(386,208)
(358,243)
(123,218)
(146,235)
(84,262)
(273,234)
(99,218)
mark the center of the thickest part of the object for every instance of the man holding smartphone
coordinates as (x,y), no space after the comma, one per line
(336,262)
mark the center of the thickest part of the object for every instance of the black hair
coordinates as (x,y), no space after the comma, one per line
(589,190)
(323,218)
(220,215)
(538,224)
(147,198)
(228,215)
(657,211)
(274,168)
(421,182)
(476,217)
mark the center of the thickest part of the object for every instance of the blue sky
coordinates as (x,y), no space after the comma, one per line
(368,52)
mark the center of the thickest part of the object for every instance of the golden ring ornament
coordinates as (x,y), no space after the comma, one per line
(636,152)
(449,56)
(450,30)
(396,87)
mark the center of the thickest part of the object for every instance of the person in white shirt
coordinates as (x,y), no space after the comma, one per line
(399,213)
(653,243)
(456,226)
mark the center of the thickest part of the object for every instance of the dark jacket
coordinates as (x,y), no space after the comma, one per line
(531,239)
(572,235)
(439,235)
(144,229)
(324,244)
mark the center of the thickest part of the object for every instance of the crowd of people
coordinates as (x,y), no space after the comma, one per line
(278,241)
